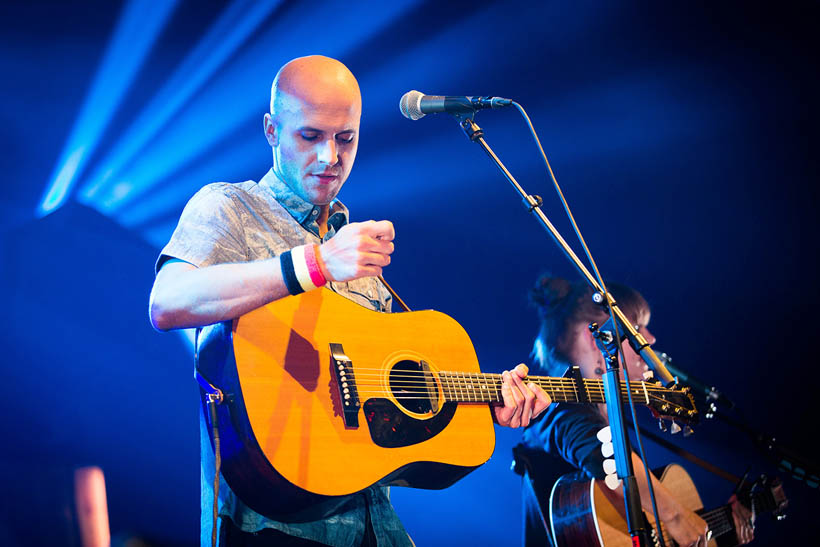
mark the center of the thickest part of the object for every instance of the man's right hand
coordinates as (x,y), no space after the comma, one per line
(688,529)
(359,249)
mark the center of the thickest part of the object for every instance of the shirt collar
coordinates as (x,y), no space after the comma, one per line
(303,212)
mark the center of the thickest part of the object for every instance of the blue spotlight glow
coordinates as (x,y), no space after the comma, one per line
(225,36)
(62,181)
(240,91)
(132,39)
(238,156)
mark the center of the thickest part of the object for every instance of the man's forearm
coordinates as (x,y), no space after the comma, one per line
(185,296)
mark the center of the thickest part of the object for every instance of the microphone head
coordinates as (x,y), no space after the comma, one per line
(410,105)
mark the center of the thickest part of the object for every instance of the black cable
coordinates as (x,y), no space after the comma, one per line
(611,314)
(214,400)
(213,397)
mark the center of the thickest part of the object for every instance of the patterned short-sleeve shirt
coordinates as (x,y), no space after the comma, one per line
(249,221)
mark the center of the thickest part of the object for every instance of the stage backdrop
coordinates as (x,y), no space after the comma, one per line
(683,136)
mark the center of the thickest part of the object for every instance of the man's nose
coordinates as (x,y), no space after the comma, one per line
(328,153)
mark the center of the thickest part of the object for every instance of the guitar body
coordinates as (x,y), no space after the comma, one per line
(286,442)
(586,512)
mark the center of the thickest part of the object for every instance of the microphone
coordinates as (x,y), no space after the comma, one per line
(415,105)
(713,396)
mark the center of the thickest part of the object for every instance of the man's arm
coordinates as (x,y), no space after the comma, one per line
(685,527)
(185,296)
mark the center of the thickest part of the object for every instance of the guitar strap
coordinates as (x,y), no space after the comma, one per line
(395,295)
(690,457)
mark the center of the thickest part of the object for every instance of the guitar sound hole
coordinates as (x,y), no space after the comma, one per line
(409,385)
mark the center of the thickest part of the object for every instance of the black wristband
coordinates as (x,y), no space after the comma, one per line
(289,274)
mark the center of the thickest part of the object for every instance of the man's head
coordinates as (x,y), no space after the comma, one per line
(313,126)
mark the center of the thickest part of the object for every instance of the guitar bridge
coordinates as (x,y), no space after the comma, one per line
(346,382)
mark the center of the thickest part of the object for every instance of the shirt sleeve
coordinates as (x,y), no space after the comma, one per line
(210,230)
(569,432)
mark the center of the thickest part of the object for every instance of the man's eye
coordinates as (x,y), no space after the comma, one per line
(310,136)
(347,139)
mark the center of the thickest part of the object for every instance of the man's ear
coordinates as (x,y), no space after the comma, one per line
(588,340)
(270,130)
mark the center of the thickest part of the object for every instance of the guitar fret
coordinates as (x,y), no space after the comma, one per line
(475,387)
(485,390)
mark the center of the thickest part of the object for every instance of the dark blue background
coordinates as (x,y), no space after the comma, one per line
(683,136)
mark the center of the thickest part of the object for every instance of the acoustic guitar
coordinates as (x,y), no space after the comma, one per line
(326,397)
(585,512)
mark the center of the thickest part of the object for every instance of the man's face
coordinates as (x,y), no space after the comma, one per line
(314,147)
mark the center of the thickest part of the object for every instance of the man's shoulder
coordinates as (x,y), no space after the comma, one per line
(239,195)
(228,189)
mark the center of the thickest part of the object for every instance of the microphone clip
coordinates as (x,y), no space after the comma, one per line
(470,128)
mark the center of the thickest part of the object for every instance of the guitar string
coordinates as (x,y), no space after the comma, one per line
(493,384)
(410,379)
(479,397)
(717,519)
(473,395)
(470,384)
(487,377)
(364,388)
(465,385)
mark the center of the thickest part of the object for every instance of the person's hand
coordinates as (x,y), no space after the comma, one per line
(522,402)
(359,249)
(688,529)
(744,521)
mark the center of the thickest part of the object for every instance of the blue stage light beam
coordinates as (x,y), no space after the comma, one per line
(240,91)
(132,39)
(246,155)
(381,85)
(233,27)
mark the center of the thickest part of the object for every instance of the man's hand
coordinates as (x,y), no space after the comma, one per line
(359,249)
(744,521)
(688,529)
(522,402)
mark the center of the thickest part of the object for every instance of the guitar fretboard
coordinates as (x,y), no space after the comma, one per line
(466,387)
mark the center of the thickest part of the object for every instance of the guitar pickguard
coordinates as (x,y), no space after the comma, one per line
(392,428)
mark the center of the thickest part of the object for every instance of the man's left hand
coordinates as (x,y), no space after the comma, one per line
(522,402)
(744,521)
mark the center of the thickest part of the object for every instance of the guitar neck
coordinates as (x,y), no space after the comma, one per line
(720,519)
(465,387)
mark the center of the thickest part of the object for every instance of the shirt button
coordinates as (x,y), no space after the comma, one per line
(314,213)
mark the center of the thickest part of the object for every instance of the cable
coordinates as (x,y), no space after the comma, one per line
(213,400)
(611,314)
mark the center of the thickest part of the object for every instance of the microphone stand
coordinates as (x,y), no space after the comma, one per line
(614,407)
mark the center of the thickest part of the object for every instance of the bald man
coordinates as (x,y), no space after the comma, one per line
(236,248)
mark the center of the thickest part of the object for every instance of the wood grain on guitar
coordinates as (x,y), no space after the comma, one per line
(401,400)
(586,512)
